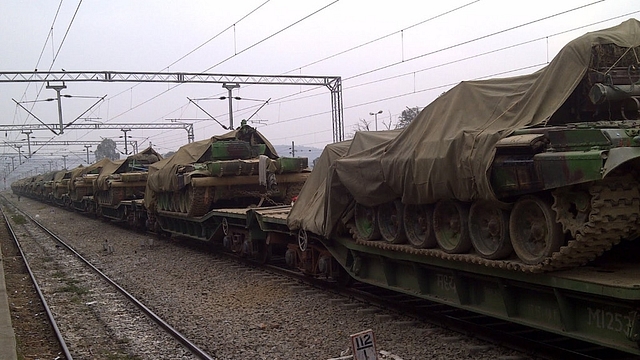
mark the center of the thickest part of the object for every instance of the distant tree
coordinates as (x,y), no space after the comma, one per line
(361,125)
(407,116)
(169,154)
(107,149)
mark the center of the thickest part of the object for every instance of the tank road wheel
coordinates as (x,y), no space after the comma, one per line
(418,225)
(450,226)
(115,196)
(181,203)
(173,202)
(390,222)
(166,201)
(197,204)
(366,223)
(535,234)
(489,230)
(160,201)
(572,208)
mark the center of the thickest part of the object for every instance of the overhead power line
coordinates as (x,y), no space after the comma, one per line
(201,45)
(230,57)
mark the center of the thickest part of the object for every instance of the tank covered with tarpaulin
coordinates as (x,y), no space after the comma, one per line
(501,165)
(309,210)
(236,169)
(45,189)
(82,178)
(60,186)
(124,179)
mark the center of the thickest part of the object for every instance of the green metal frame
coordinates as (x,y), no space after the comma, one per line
(569,303)
(565,303)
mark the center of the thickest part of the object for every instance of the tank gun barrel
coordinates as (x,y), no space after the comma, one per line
(600,93)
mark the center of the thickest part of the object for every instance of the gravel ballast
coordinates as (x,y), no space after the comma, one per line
(234,312)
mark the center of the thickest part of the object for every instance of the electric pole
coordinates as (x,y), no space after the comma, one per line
(87,147)
(57,88)
(230,87)
(28,133)
(126,151)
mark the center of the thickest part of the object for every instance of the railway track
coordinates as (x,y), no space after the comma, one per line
(528,341)
(421,317)
(96,316)
(427,314)
(18,275)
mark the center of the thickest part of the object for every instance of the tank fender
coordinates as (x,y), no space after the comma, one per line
(558,169)
(185,179)
(618,156)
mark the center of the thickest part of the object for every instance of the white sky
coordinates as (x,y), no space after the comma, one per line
(386,63)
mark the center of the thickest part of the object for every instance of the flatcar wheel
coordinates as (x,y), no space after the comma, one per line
(489,230)
(535,234)
(390,222)
(225,226)
(418,225)
(366,223)
(303,240)
(450,226)
(264,253)
(343,278)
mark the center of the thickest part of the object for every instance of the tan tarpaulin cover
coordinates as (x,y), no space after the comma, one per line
(448,149)
(79,171)
(59,175)
(309,210)
(147,156)
(50,175)
(162,173)
(108,169)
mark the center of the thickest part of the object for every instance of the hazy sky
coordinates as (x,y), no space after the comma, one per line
(390,55)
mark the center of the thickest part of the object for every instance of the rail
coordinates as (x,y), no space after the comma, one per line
(157,319)
(56,330)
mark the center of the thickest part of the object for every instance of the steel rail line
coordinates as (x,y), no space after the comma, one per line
(163,324)
(52,321)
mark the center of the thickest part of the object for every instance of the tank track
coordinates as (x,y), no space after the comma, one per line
(198,204)
(614,216)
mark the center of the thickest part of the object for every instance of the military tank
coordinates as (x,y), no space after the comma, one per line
(235,170)
(44,186)
(531,173)
(80,185)
(59,185)
(123,180)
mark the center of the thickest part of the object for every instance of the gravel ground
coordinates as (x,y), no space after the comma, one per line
(234,312)
(35,338)
(96,321)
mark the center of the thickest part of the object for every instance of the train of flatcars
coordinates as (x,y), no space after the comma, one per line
(517,198)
